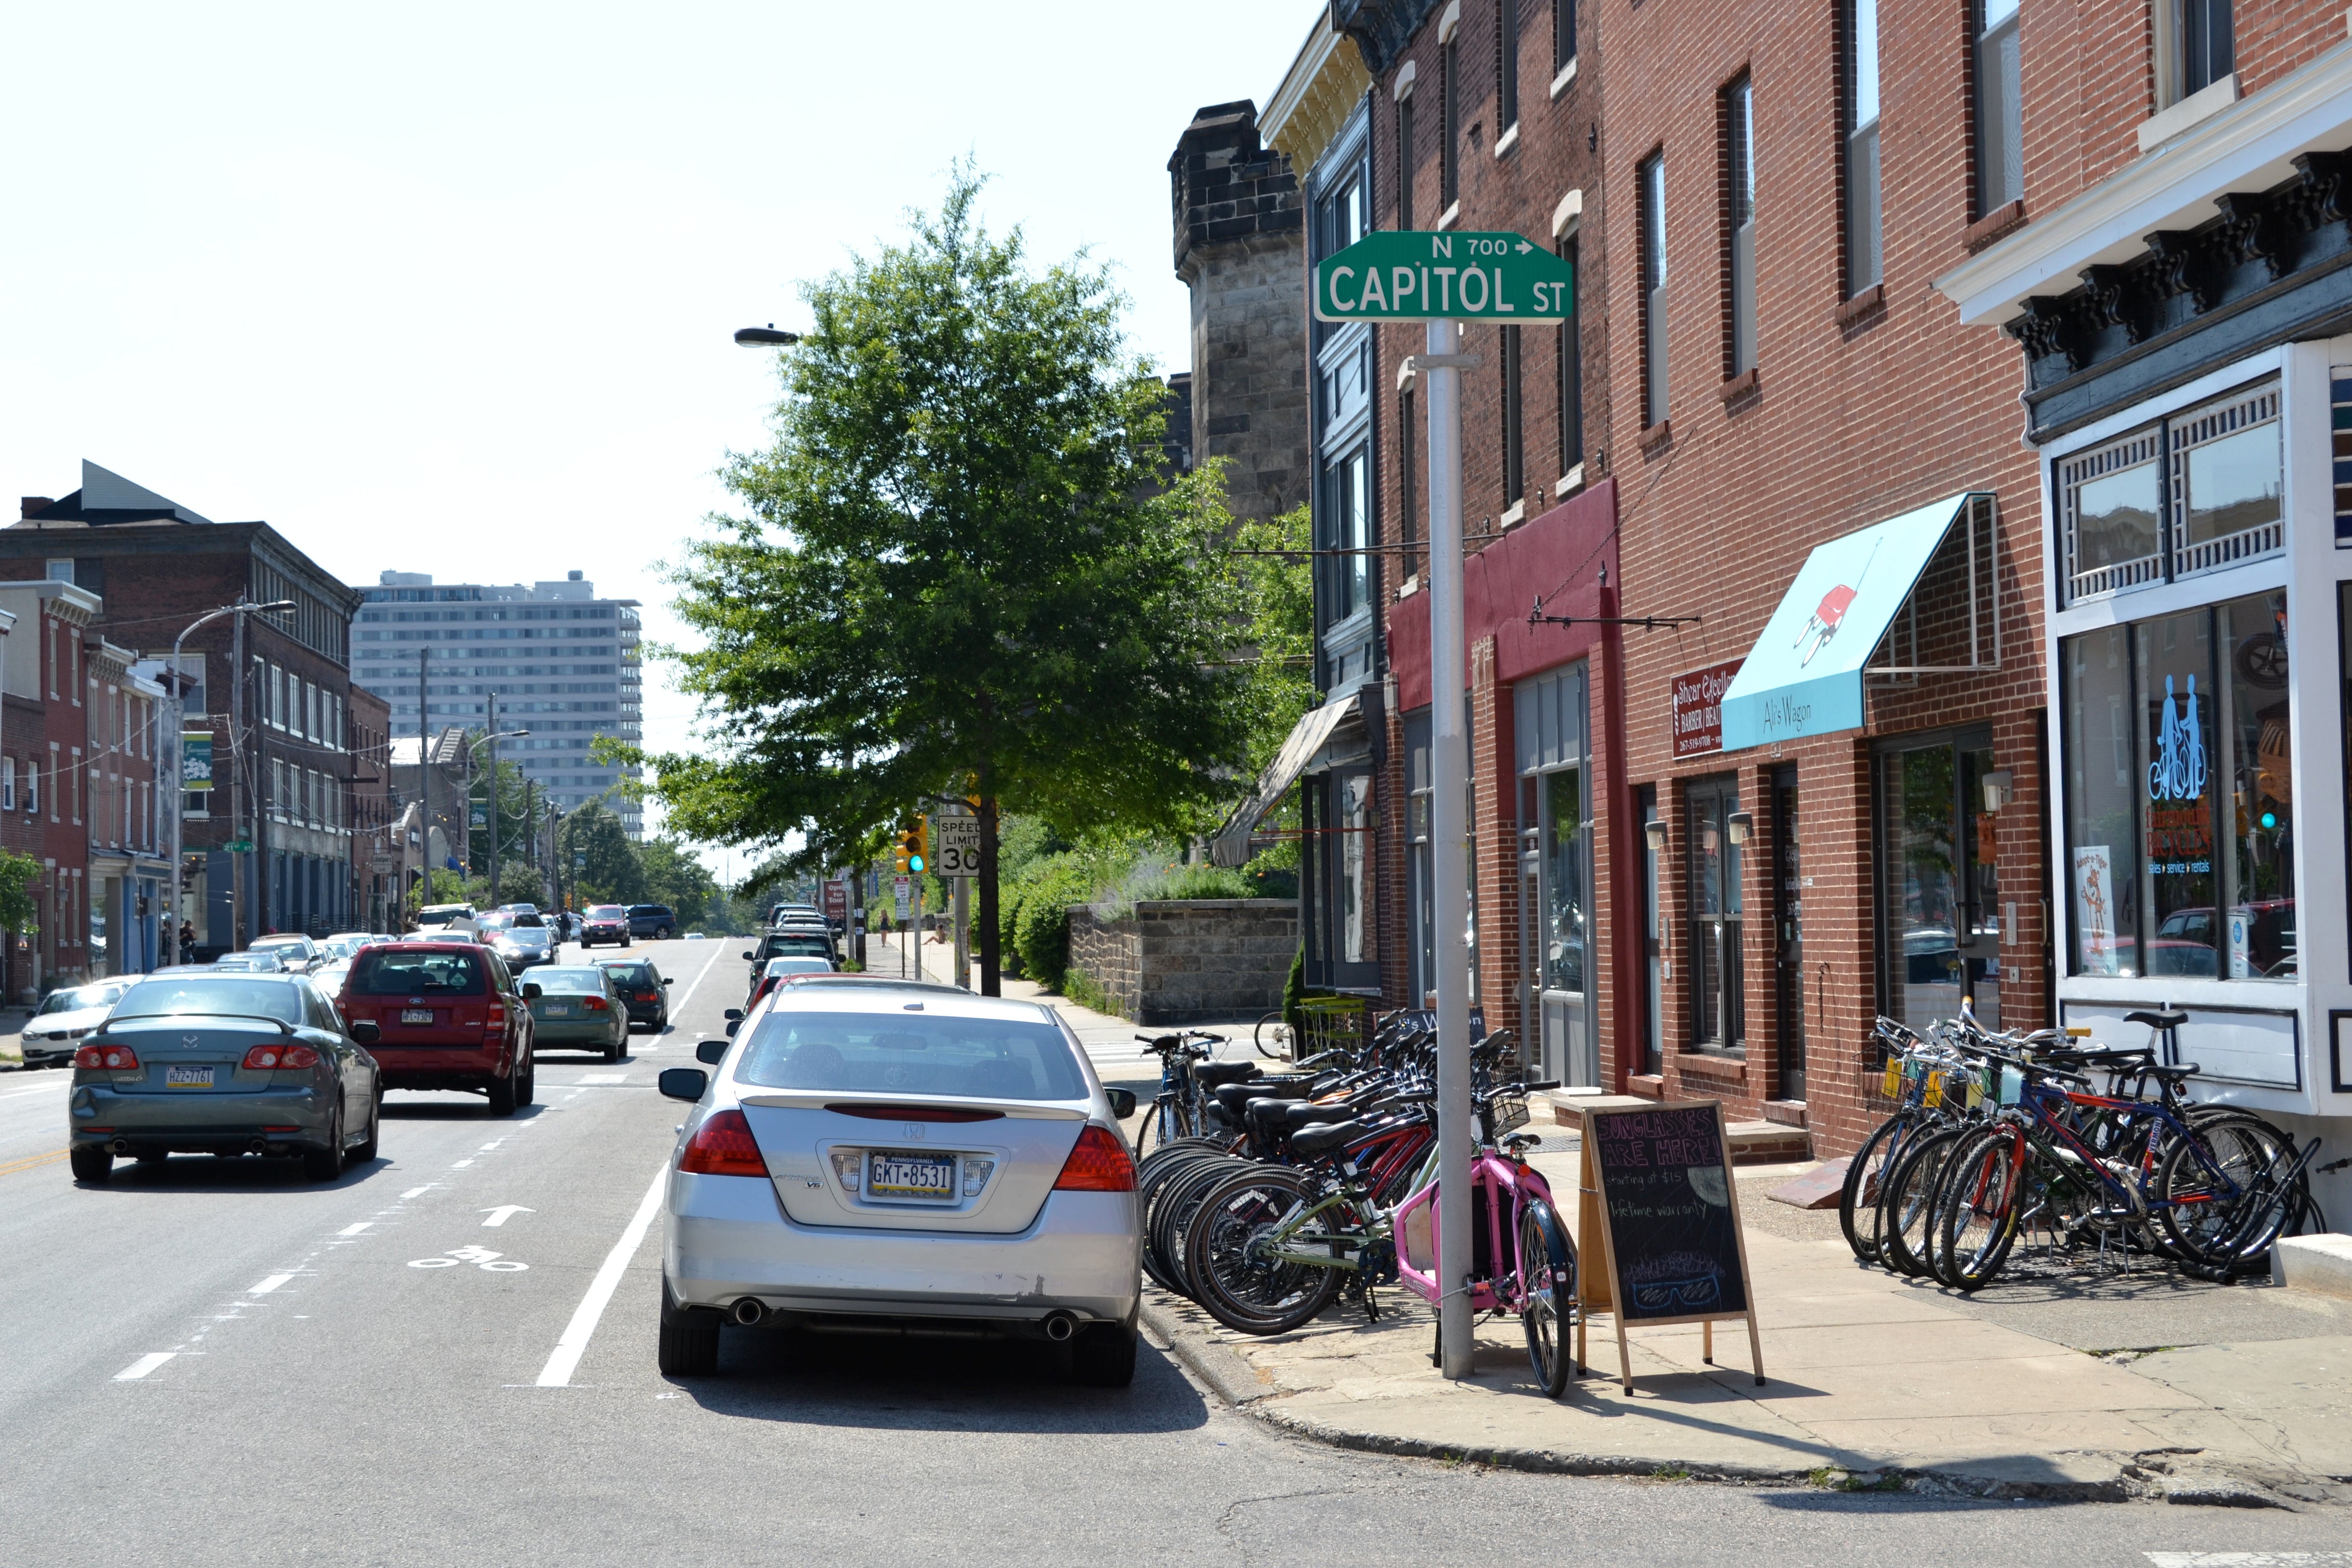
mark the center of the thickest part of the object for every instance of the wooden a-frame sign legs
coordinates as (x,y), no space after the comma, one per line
(1649,1184)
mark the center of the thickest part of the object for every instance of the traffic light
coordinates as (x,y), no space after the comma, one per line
(914,849)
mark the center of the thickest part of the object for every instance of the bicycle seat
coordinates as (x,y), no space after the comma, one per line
(1323,1140)
(1310,1113)
(1160,1042)
(1209,1074)
(2169,1018)
(1266,1118)
(2174,1073)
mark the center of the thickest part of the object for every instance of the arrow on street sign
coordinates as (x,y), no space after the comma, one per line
(1414,275)
(501,1214)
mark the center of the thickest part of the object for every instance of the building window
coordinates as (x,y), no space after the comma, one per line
(1739,221)
(1570,350)
(1408,485)
(2000,112)
(1563,35)
(2197,492)
(1652,188)
(1514,465)
(2180,795)
(7,784)
(1449,159)
(2208,43)
(1506,66)
(1351,573)
(1711,866)
(1352,798)
(1861,188)
(1404,164)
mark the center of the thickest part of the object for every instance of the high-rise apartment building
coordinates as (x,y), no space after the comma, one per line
(561,663)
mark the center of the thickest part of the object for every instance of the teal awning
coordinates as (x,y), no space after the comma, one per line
(1804,675)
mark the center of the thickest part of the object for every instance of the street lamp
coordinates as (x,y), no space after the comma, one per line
(492,740)
(766,337)
(180,707)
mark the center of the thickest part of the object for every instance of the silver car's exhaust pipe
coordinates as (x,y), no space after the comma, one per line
(749,1311)
(1060,1326)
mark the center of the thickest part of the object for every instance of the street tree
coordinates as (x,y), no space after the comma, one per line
(962,568)
(611,873)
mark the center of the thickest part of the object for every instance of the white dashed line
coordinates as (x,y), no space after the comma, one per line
(143,1365)
(355,1229)
(606,1077)
(416,1192)
(266,1286)
(461,1165)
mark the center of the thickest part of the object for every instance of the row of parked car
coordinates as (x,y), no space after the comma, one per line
(286,1050)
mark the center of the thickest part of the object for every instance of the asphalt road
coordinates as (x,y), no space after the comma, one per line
(217,1362)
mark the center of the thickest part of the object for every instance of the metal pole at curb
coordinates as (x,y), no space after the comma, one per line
(1450,770)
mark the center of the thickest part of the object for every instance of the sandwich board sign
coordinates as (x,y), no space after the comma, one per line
(1658,1225)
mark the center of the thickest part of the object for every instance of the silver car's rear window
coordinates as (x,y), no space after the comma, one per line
(230,996)
(865,1053)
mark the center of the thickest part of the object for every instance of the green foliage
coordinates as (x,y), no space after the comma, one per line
(673,877)
(961,563)
(520,882)
(1279,590)
(447,888)
(613,874)
(1042,936)
(1294,992)
(17,875)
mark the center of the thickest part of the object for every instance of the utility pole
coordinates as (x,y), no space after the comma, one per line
(962,907)
(425,770)
(493,733)
(240,871)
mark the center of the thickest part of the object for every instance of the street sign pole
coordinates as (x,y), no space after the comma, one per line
(1450,768)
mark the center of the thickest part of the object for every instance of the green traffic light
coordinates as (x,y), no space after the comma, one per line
(915,862)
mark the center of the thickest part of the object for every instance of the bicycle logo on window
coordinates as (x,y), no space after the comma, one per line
(2179,771)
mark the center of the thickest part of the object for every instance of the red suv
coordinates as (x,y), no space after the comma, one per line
(604,922)
(443,1014)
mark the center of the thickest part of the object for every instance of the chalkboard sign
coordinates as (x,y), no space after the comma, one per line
(1659,1203)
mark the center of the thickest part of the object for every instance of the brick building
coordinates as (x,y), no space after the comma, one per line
(2171,258)
(48,737)
(157,568)
(375,851)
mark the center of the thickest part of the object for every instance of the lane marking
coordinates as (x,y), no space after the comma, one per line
(358,1229)
(266,1286)
(51,1158)
(606,1077)
(503,1212)
(143,1365)
(679,1005)
(461,1165)
(418,1192)
(557,1372)
(487,1147)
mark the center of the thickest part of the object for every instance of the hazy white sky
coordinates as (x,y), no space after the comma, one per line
(450,288)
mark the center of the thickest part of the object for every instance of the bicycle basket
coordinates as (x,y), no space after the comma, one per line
(1508,1111)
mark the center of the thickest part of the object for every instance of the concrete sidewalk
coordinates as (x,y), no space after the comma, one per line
(2231,1395)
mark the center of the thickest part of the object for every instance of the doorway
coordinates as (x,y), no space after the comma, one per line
(1939,880)
(1570,1047)
(1787,935)
(1712,866)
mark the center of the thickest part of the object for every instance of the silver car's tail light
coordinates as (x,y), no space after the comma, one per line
(846,1164)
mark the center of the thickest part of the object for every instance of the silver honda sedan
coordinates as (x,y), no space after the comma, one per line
(901,1156)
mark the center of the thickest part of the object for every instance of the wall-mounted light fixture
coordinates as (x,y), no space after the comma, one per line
(1655,829)
(1738,825)
(1997,791)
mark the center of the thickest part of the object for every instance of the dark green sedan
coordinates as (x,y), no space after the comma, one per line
(581,1006)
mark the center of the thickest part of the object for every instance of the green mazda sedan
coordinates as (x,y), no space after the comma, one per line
(580,1005)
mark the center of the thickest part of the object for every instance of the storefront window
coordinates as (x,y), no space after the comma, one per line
(2197,491)
(2259,939)
(1563,881)
(1354,795)
(2181,853)
(2226,462)
(2102,804)
(1715,906)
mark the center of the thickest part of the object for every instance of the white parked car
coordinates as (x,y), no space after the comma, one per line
(901,1155)
(299,954)
(54,1033)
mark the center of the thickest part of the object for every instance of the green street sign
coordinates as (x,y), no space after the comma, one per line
(1416,275)
(240,845)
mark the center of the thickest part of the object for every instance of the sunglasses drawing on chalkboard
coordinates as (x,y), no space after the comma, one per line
(1695,1294)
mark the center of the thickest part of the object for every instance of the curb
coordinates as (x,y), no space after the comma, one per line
(2135,1478)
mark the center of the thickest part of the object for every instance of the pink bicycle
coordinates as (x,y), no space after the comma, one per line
(1522,1261)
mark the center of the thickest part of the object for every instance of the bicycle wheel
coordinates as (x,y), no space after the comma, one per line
(1864,1174)
(1977,1206)
(1547,1295)
(1908,1204)
(1231,1245)
(1151,1188)
(2221,1200)
(1272,1036)
(1178,1200)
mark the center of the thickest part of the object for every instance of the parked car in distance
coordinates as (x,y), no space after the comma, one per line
(263,962)
(329,975)
(644,991)
(578,1005)
(195,1060)
(444,1014)
(297,952)
(522,940)
(784,944)
(797,1196)
(653,920)
(691,936)
(348,942)
(55,1030)
(603,923)
(447,919)
(776,971)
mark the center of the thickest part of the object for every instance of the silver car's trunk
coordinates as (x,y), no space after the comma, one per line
(999,1159)
(193,1058)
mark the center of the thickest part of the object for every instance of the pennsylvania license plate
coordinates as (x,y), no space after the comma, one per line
(187,1077)
(417,1015)
(558,1009)
(893,1174)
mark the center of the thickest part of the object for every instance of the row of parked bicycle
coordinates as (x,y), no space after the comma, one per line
(2002,1138)
(1265,1197)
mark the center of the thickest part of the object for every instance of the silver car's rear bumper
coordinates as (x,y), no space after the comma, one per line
(726,1237)
(98,1114)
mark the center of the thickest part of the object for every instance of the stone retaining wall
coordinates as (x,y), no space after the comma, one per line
(1188,960)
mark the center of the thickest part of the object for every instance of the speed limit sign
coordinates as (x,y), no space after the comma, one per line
(955,846)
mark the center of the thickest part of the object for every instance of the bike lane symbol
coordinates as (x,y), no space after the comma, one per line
(481,1256)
